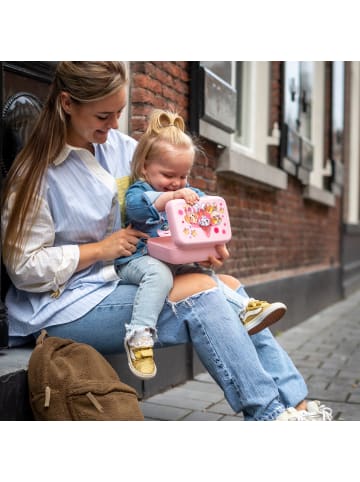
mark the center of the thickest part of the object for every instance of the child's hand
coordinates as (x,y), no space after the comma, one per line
(187,194)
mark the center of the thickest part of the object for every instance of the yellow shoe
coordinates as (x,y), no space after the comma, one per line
(141,358)
(261,314)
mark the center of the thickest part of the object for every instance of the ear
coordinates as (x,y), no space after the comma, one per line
(143,170)
(66,102)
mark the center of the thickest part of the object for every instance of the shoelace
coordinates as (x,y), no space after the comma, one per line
(325,412)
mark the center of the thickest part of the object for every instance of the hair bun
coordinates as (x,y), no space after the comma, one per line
(161,119)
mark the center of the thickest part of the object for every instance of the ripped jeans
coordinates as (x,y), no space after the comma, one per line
(255,373)
(154,280)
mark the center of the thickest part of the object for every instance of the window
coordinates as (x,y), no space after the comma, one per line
(124,118)
(337,126)
(310,130)
(337,117)
(298,86)
(246,144)
(221,69)
(244,103)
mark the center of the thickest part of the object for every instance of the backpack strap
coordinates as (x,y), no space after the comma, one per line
(40,339)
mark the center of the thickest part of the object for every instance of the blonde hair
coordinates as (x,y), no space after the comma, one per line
(84,82)
(164,128)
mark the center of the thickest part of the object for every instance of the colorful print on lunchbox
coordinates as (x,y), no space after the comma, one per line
(194,231)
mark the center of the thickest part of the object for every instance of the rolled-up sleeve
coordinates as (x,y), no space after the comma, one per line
(42,266)
(140,206)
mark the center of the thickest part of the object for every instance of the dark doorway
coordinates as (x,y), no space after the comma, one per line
(23,89)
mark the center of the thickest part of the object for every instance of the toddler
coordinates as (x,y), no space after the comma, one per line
(160,168)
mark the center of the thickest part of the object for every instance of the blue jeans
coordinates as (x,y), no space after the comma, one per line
(255,373)
(154,280)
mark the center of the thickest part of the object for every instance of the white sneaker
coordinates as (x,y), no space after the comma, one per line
(319,412)
(292,415)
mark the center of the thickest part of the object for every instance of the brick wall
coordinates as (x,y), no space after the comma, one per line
(272,229)
(163,85)
(278,230)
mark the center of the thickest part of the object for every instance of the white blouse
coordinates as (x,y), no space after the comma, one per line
(79,204)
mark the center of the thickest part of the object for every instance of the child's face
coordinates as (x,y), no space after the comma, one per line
(169,171)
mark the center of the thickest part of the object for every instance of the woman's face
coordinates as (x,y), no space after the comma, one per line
(90,123)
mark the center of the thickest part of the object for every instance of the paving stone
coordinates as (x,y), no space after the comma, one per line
(161,412)
(204,377)
(329,361)
(346,412)
(202,416)
(222,407)
(173,400)
(228,418)
(187,392)
(203,387)
(329,395)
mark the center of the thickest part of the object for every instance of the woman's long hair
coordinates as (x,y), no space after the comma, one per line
(85,82)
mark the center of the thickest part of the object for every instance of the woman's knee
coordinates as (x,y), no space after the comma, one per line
(230,281)
(186,285)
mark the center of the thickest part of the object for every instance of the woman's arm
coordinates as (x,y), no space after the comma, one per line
(43,267)
(120,243)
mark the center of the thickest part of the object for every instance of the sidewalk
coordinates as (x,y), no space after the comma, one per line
(326,350)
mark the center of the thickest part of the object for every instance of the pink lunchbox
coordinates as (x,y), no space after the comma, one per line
(194,231)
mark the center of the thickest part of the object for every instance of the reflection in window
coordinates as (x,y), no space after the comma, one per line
(292,90)
(298,93)
(306,83)
(244,99)
(221,69)
(337,118)
(298,142)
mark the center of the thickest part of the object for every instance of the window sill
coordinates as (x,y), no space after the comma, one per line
(235,163)
(319,195)
(351,228)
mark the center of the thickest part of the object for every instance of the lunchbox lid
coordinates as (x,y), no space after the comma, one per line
(206,222)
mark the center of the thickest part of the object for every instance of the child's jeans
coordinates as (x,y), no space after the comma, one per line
(154,280)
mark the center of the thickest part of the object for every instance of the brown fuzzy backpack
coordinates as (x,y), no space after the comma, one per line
(73,381)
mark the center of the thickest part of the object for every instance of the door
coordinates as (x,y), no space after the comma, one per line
(23,89)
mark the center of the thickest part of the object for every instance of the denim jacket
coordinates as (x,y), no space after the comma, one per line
(142,215)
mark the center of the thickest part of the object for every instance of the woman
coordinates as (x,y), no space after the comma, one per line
(62,230)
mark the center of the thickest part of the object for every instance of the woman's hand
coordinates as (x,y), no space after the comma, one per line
(120,243)
(216,262)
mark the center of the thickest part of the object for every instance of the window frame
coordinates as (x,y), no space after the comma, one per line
(250,161)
